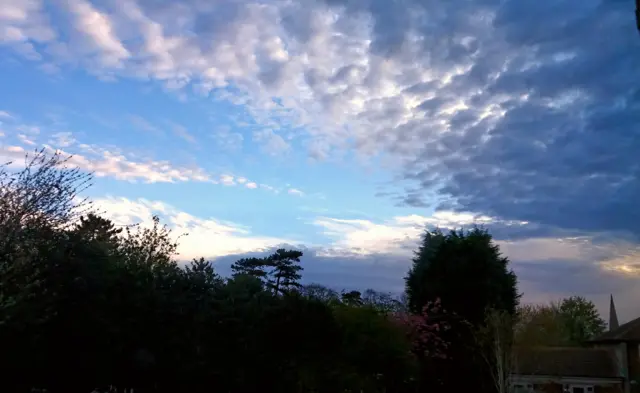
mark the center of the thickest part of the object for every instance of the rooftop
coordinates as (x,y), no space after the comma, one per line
(629,331)
(567,362)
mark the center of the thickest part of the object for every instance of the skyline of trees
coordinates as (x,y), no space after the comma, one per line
(112,306)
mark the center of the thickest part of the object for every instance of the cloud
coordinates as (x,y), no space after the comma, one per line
(272,143)
(295,191)
(111,161)
(227,180)
(499,107)
(103,162)
(5,115)
(26,140)
(206,237)
(23,24)
(397,236)
(97,33)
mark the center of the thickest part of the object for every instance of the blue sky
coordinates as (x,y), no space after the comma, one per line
(345,128)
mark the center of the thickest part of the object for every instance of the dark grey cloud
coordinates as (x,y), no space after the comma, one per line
(571,277)
(565,74)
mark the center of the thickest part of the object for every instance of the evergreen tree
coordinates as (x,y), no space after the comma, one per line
(466,271)
(279,271)
(95,228)
(285,270)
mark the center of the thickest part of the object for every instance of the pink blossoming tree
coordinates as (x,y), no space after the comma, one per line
(425,330)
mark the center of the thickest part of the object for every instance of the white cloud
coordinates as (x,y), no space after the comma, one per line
(397,236)
(251,185)
(103,163)
(5,115)
(291,64)
(23,22)
(295,191)
(98,30)
(227,180)
(26,140)
(207,237)
(400,235)
(13,154)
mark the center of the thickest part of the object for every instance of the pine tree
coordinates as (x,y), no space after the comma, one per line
(285,270)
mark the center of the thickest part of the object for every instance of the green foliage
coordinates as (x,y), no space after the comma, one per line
(581,319)
(569,322)
(466,271)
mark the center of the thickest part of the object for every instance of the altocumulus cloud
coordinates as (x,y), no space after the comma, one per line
(521,110)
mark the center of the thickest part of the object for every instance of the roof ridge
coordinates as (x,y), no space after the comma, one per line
(620,332)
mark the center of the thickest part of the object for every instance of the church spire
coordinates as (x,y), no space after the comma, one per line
(613,316)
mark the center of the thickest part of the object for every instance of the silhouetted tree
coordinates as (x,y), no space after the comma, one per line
(352,298)
(285,270)
(465,270)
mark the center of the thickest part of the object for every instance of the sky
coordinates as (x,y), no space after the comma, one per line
(346,127)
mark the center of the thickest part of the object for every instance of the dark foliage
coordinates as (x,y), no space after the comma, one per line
(467,273)
(87,305)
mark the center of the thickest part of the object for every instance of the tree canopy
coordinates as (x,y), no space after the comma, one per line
(87,304)
(466,271)
(569,322)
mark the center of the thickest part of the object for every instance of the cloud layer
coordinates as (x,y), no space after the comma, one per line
(523,110)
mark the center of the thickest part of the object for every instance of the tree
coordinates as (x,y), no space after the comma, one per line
(539,325)
(496,339)
(320,292)
(466,271)
(569,322)
(250,267)
(43,194)
(377,351)
(279,271)
(285,270)
(352,298)
(383,302)
(581,319)
(95,228)
(114,306)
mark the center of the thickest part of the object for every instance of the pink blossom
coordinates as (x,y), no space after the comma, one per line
(423,330)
